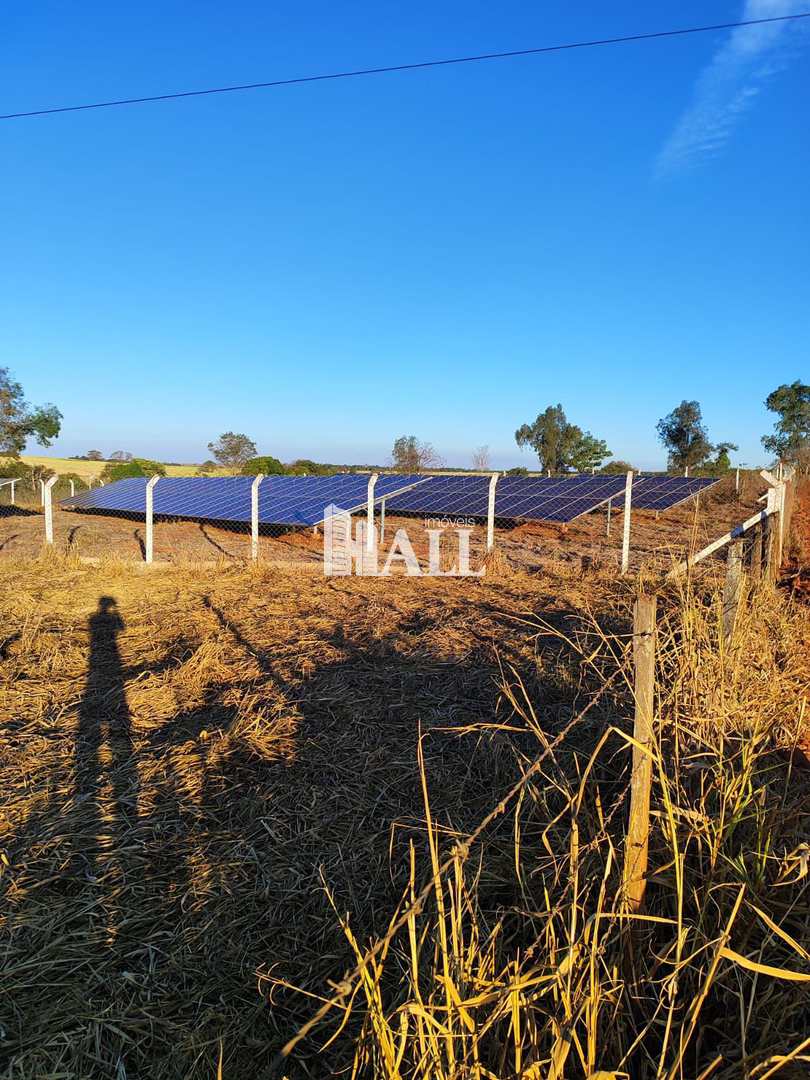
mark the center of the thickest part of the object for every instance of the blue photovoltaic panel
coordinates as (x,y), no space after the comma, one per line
(560,499)
(442,496)
(664,492)
(125,496)
(283,500)
(301,500)
(526,498)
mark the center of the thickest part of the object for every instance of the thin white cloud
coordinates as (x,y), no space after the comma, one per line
(728,85)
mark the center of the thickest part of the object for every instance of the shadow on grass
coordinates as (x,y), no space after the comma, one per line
(180,857)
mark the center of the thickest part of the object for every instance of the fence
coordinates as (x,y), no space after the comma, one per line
(756,548)
(239,533)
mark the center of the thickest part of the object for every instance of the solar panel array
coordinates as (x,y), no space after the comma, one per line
(664,492)
(527,498)
(283,500)
(301,500)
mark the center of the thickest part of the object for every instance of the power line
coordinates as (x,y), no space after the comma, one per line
(408,67)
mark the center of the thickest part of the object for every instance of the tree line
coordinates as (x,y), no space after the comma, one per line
(560,446)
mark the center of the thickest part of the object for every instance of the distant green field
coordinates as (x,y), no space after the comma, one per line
(89,469)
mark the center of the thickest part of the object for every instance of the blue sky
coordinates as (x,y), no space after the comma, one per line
(442,253)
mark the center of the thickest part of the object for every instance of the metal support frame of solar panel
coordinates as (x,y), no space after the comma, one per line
(666,492)
(293,501)
(517,498)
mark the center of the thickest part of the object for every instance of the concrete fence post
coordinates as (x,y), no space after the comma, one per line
(47,502)
(149,543)
(628,499)
(72,488)
(13,484)
(382,521)
(491,512)
(254,516)
(370,538)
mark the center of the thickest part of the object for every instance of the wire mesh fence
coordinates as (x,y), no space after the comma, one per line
(393,523)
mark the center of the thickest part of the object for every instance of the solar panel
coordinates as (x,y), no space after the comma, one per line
(125,495)
(455,496)
(664,492)
(560,499)
(301,500)
(283,500)
(527,498)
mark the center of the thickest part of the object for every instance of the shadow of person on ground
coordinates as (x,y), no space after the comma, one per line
(106,774)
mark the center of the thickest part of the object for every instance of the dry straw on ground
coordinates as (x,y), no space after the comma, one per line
(222,793)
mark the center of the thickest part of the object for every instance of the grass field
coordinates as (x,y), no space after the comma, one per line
(237,801)
(93,468)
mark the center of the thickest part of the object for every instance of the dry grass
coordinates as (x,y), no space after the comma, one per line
(231,784)
(94,469)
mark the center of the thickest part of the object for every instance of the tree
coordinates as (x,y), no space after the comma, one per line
(587,453)
(233,450)
(307,467)
(94,455)
(120,455)
(40,473)
(480,459)
(409,455)
(791,438)
(120,470)
(721,463)
(20,421)
(614,468)
(207,468)
(14,469)
(561,446)
(684,435)
(268,466)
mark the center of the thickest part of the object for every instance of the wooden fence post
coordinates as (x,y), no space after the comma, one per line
(732,590)
(638,829)
(755,555)
(787,510)
(767,549)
